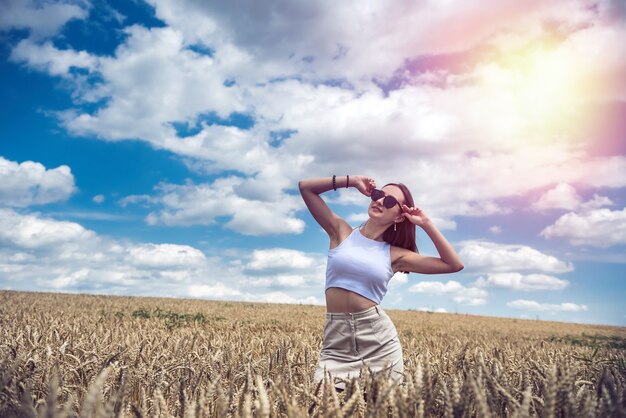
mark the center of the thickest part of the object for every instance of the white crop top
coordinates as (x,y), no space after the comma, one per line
(361,265)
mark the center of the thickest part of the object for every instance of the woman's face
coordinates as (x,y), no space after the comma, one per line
(377,210)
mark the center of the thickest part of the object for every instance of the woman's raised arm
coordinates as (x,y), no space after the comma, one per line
(311,189)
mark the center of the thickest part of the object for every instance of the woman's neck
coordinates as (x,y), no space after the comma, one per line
(373,231)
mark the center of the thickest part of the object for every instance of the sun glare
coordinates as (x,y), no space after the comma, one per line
(535,88)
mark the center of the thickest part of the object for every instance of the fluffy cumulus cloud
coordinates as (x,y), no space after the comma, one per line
(202,203)
(31,231)
(317,99)
(531,305)
(564,196)
(190,84)
(437,288)
(285,268)
(42,19)
(279,259)
(398,280)
(524,282)
(597,228)
(63,255)
(30,183)
(471,296)
(493,257)
(459,293)
(48,254)
(46,57)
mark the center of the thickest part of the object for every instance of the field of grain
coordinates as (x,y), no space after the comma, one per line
(80,355)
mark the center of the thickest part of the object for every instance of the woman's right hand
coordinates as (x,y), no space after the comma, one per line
(363,184)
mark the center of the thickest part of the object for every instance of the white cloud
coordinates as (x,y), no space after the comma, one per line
(46,254)
(524,282)
(256,218)
(165,256)
(152,81)
(279,258)
(596,202)
(531,305)
(437,288)
(603,172)
(426,309)
(67,280)
(31,231)
(471,296)
(40,18)
(562,196)
(47,58)
(494,257)
(99,198)
(30,183)
(598,228)
(398,279)
(202,203)
(282,297)
(495,229)
(89,214)
(144,200)
(218,291)
(284,268)
(357,218)
(280,280)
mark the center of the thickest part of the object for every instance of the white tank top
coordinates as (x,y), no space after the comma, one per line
(361,265)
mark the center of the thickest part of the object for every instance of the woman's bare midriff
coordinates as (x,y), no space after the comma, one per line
(341,300)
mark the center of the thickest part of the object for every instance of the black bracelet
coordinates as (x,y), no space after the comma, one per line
(334,183)
(347,181)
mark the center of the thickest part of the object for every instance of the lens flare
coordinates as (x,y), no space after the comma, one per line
(535,90)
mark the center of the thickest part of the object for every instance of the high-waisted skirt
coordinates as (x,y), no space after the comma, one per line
(365,340)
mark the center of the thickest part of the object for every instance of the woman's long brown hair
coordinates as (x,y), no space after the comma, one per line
(404,235)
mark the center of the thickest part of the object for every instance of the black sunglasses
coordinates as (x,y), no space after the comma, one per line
(388,202)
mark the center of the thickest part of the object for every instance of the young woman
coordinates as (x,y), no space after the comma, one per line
(361,261)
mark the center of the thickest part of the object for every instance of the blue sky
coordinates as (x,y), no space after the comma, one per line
(155,148)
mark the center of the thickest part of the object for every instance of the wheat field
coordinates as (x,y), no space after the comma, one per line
(102,356)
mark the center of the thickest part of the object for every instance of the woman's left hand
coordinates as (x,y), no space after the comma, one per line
(415,215)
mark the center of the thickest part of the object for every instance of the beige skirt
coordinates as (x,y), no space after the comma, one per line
(362,340)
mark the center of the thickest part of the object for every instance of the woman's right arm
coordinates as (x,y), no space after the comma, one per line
(310,189)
